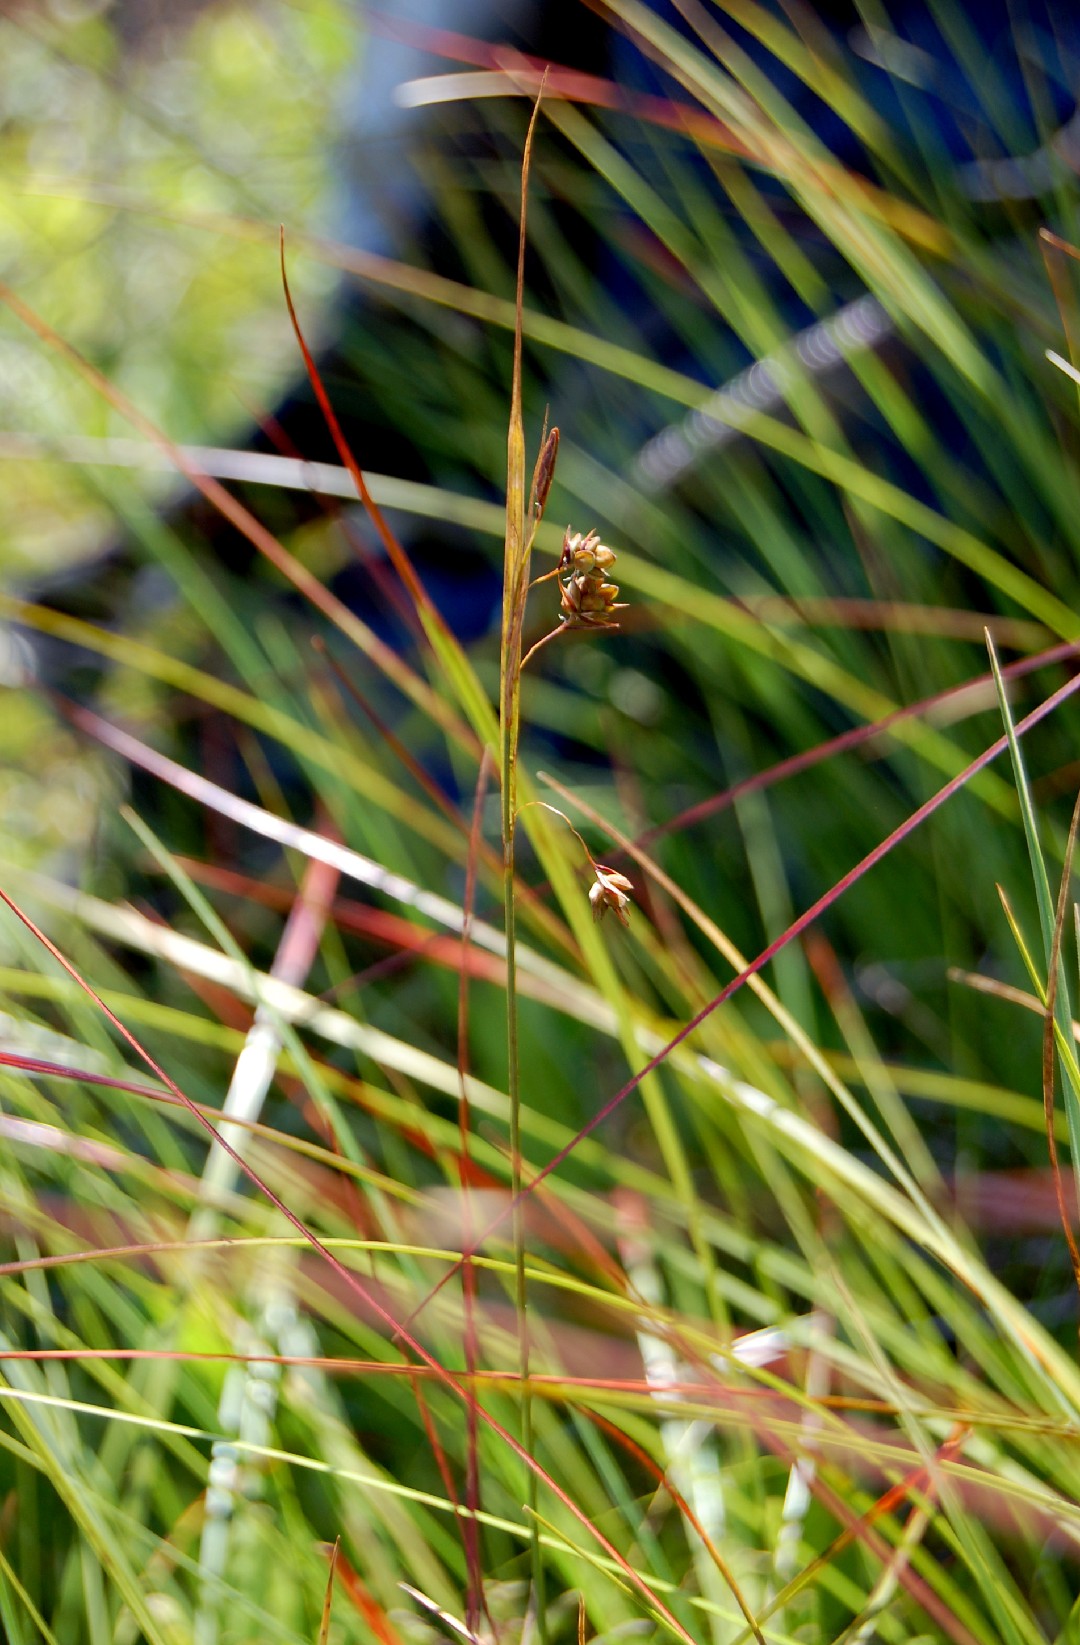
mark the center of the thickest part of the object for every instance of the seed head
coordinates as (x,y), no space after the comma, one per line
(586,600)
(610,890)
(584,555)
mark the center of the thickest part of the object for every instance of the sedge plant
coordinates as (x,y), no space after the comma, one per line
(702,1270)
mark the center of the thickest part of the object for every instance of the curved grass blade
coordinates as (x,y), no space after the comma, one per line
(352,1283)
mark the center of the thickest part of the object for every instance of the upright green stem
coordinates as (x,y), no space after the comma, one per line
(509,819)
(519,535)
(510,720)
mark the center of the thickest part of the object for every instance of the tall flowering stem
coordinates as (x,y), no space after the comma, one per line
(522,516)
(587,600)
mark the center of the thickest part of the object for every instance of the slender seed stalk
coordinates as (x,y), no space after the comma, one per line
(545,640)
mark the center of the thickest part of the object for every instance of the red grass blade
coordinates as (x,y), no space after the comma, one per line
(398,557)
(795,929)
(858,735)
(368,1607)
(391,664)
(354,1284)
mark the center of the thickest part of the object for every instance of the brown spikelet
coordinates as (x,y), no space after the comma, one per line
(544,473)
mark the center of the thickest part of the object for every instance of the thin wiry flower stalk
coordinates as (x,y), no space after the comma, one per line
(519,536)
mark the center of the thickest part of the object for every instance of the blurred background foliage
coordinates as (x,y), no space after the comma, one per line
(118,144)
(127,130)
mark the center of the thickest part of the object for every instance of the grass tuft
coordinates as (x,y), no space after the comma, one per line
(393,1247)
